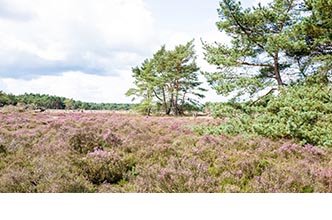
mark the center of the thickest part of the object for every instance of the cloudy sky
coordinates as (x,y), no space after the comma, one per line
(85,49)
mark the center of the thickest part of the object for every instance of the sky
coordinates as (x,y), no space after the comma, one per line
(85,49)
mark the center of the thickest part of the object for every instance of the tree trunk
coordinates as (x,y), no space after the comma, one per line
(149,111)
(182,104)
(169,109)
(277,69)
(165,102)
(176,104)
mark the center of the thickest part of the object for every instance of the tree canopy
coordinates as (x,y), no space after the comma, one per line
(56,102)
(168,81)
(272,46)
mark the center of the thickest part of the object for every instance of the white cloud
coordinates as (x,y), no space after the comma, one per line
(84,49)
(75,33)
(7,12)
(102,88)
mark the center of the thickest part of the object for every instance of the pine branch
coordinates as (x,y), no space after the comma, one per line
(260,98)
(255,64)
(155,93)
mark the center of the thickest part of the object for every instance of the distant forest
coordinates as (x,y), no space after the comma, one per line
(39,101)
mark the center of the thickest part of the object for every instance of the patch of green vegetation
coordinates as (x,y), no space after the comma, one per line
(302,113)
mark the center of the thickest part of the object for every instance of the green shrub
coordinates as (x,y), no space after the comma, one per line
(302,112)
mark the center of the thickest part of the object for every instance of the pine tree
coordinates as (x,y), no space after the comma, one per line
(144,82)
(256,59)
(169,80)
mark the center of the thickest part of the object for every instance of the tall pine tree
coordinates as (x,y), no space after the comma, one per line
(256,59)
(169,80)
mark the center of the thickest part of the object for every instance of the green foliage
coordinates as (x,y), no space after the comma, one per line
(7,99)
(282,43)
(38,101)
(315,30)
(303,113)
(271,46)
(168,82)
(222,110)
(259,37)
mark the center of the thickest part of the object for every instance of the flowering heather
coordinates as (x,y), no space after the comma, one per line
(112,152)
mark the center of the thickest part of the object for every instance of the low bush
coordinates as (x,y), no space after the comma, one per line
(302,113)
(87,139)
(102,166)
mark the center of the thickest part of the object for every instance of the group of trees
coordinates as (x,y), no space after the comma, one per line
(56,102)
(282,43)
(285,42)
(7,99)
(168,81)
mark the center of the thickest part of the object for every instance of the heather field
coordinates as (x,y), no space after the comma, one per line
(113,152)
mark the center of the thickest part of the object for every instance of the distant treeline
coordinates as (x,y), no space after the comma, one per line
(56,102)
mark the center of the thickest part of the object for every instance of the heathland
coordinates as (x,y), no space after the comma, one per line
(273,135)
(113,152)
